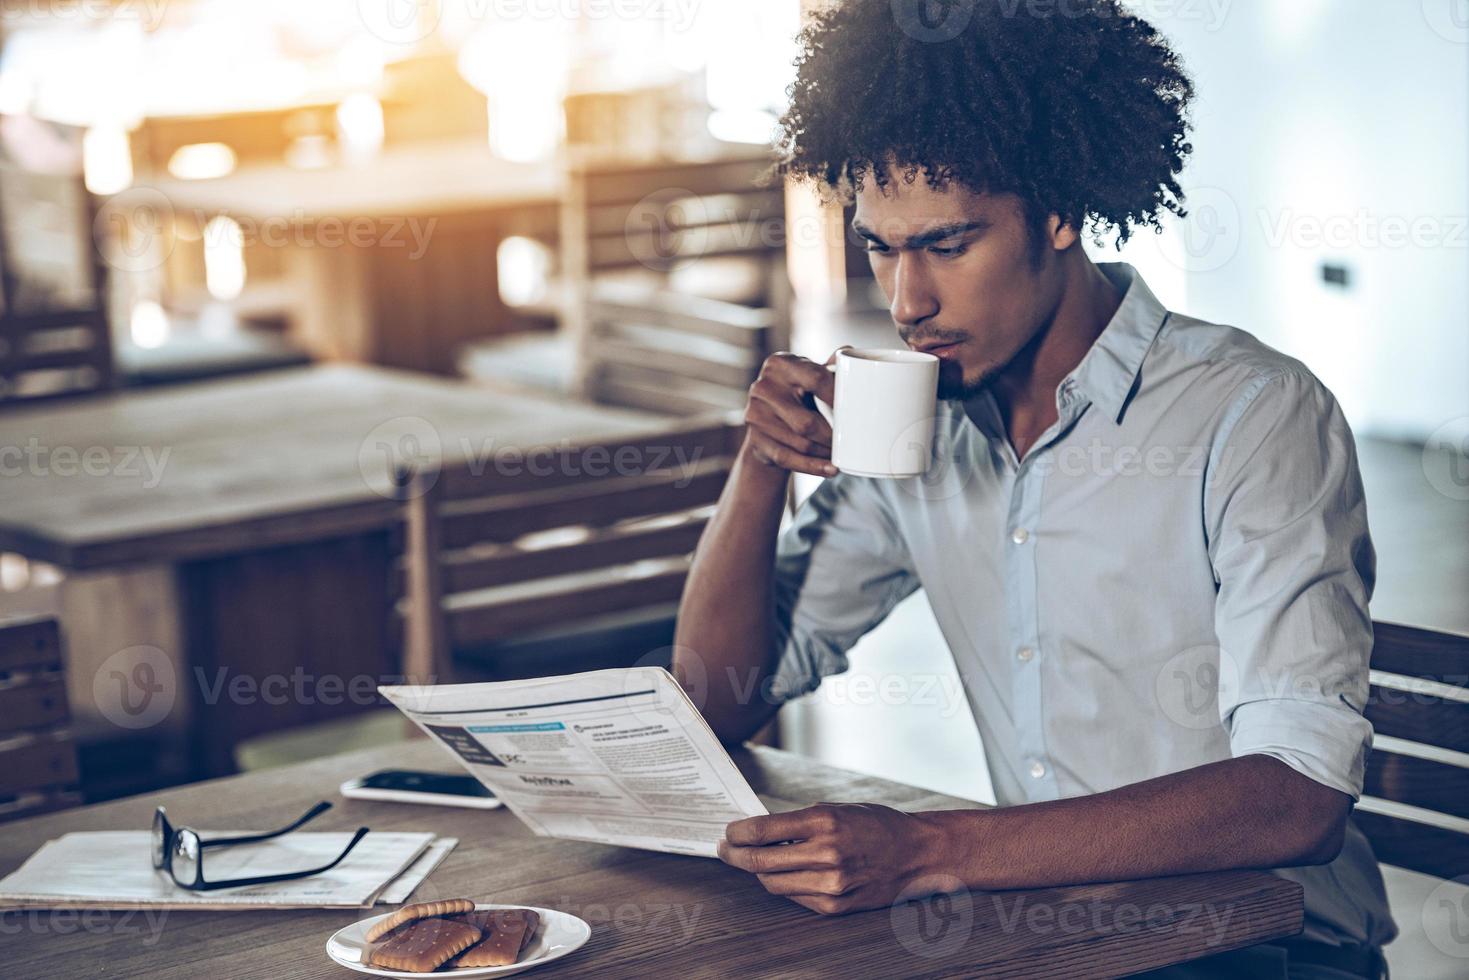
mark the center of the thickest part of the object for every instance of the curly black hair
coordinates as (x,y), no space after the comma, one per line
(1078,107)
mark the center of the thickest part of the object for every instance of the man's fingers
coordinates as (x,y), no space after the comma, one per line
(808,883)
(789,407)
(794,370)
(787,458)
(761,860)
(776,827)
(760,415)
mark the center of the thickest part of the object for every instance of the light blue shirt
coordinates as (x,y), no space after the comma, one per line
(1177,573)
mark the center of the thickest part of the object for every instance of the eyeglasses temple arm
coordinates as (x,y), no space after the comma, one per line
(310,815)
(205,886)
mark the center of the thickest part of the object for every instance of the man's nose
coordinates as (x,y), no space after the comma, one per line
(913,298)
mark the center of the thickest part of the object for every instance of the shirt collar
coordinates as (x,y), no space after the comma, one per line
(1108,374)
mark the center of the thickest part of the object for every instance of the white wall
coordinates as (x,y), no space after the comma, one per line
(1324,128)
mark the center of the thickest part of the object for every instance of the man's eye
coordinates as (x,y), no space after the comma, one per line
(875,248)
(947,252)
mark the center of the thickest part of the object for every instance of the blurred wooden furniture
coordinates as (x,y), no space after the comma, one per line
(38,765)
(393,262)
(711,228)
(1425,719)
(654,237)
(579,539)
(272,498)
(54,330)
(651,914)
(681,355)
(648,122)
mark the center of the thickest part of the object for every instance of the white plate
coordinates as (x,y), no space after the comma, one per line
(559,934)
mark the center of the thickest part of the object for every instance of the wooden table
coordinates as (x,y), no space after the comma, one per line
(270,499)
(652,915)
(393,261)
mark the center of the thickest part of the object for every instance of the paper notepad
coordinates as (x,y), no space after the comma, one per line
(114,870)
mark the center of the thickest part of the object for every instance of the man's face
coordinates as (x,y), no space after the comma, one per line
(960,275)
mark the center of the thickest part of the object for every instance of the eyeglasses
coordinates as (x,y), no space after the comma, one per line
(180,852)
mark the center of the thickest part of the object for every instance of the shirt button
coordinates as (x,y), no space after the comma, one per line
(1024,654)
(1037,769)
(1020,535)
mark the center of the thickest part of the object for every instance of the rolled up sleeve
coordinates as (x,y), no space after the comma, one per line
(840,569)
(1293,559)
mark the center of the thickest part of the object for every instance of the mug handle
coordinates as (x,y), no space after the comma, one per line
(821,406)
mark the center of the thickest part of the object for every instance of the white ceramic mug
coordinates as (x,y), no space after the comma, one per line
(882,422)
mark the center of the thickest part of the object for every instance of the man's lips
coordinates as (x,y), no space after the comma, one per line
(940,349)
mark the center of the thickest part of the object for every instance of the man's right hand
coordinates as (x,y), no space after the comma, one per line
(783,430)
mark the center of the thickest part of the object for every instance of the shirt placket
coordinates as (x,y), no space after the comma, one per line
(1036,773)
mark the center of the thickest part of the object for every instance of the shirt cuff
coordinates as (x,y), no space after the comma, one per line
(803,664)
(1322,741)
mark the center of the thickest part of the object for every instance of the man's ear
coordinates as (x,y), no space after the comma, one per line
(1061,234)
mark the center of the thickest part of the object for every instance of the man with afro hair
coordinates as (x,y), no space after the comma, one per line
(1143,535)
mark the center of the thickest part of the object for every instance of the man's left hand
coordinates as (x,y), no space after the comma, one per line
(834,858)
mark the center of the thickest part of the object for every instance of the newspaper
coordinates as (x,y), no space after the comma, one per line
(613,756)
(111,869)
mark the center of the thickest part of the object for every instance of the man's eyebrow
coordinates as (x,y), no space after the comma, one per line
(926,237)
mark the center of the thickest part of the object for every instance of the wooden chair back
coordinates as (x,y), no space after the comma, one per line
(38,761)
(1420,702)
(682,355)
(654,226)
(551,537)
(54,330)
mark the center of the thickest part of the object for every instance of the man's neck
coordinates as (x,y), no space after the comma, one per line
(1026,391)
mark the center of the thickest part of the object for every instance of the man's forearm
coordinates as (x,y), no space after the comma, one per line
(1249,812)
(725,617)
